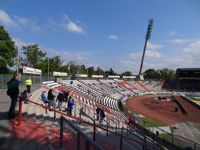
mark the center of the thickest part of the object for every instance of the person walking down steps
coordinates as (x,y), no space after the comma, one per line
(13,92)
(70,105)
(51,100)
(60,99)
(28,83)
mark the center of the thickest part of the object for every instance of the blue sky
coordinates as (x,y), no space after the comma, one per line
(108,33)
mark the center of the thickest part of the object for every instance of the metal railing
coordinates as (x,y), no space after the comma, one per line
(88,141)
(122,137)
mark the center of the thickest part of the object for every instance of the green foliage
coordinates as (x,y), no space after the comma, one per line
(151,123)
(127,73)
(90,71)
(33,55)
(165,74)
(8,51)
(99,71)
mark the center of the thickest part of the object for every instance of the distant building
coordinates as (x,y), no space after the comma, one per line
(188,78)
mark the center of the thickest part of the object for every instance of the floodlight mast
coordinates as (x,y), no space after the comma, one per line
(148,36)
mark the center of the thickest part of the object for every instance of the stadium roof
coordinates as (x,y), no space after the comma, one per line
(188,69)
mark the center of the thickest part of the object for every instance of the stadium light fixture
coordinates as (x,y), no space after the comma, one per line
(148,36)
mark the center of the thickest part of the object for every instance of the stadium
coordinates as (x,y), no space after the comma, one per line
(138,115)
(73,75)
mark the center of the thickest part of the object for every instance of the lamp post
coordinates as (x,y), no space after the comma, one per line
(148,36)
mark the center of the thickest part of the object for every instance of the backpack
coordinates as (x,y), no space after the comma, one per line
(9,91)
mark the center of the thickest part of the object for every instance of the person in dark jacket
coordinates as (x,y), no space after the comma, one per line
(51,97)
(60,99)
(98,112)
(102,116)
(13,92)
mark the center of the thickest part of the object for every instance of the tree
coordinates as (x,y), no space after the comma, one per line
(33,55)
(165,74)
(55,63)
(91,71)
(82,69)
(151,74)
(8,51)
(99,71)
(127,73)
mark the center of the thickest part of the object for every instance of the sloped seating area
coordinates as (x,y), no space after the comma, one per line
(88,96)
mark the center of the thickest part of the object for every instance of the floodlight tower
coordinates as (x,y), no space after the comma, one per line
(148,36)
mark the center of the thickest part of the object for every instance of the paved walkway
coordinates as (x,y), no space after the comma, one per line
(4,107)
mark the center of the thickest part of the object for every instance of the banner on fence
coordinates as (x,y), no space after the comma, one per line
(129,77)
(60,74)
(113,77)
(29,70)
(81,75)
(97,76)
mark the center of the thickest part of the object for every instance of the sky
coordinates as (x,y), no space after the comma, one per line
(108,33)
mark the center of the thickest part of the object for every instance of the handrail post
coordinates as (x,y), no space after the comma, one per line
(61,131)
(94,131)
(116,128)
(121,144)
(145,141)
(46,109)
(20,111)
(194,145)
(78,141)
(107,129)
(87,145)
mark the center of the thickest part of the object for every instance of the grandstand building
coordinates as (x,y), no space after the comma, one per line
(188,78)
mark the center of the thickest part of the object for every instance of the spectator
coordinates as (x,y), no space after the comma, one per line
(70,105)
(13,92)
(98,112)
(66,94)
(60,99)
(28,83)
(51,97)
(44,98)
(102,115)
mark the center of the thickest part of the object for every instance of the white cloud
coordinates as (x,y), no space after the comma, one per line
(172,33)
(153,46)
(27,23)
(113,37)
(72,26)
(193,48)
(153,54)
(16,21)
(148,54)
(187,56)
(67,55)
(5,19)
(179,41)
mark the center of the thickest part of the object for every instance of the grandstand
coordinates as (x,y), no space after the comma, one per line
(110,96)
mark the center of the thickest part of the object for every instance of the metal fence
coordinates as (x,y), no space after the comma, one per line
(172,138)
(36,79)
